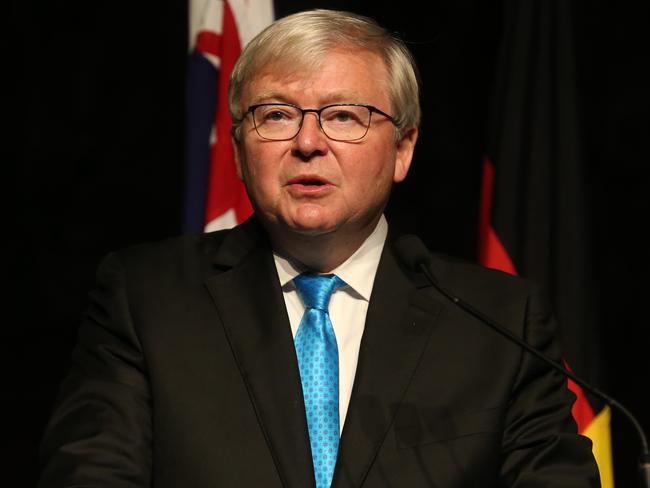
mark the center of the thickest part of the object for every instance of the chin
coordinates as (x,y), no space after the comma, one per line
(310,230)
(311,221)
(310,227)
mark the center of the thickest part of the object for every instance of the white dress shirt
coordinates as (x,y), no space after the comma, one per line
(348,305)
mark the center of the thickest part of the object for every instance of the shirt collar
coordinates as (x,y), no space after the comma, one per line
(358,271)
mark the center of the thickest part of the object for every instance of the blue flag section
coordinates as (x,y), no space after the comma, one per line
(201,100)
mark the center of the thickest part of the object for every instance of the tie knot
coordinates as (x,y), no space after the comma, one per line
(316,290)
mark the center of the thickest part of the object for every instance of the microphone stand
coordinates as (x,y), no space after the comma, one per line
(644,461)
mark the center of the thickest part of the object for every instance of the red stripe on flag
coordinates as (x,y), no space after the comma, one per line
(208,43)
(225,189)
(492,253)
(582,411)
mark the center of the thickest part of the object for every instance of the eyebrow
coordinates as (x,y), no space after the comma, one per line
(340,97)
(269,97)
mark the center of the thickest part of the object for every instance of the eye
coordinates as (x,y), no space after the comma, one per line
(275,114)
(346,115)
(341,116)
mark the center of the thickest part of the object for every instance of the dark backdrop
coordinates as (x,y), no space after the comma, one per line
(95,150)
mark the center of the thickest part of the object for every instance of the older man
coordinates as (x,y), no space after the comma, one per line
(298,349)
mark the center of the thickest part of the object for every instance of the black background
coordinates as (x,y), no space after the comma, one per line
(95,158)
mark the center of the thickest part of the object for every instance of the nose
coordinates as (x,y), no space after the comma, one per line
(310,139)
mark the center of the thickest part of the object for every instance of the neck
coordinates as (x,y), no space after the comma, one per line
(321,253)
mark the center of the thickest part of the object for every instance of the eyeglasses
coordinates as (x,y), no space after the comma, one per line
(339,122)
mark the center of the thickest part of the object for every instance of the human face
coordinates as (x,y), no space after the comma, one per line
(311,185)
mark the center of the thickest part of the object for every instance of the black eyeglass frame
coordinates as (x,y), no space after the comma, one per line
(372,109)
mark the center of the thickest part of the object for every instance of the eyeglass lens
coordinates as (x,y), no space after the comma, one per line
(339,122)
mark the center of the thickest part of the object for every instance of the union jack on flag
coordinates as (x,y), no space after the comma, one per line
(215,198)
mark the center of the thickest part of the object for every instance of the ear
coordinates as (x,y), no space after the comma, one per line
(238,157)
(405,147)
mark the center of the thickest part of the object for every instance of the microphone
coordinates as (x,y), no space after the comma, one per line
(416,257)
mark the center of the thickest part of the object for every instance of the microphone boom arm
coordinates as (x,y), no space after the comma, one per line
(417,257)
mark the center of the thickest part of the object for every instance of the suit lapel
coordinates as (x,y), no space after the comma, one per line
(251,307)
(398,324)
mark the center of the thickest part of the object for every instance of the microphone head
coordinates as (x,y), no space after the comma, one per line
(412,251)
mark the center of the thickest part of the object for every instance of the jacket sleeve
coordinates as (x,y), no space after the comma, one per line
(541,446)
(99,434)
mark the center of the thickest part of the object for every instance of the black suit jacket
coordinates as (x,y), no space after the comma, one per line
(185,375)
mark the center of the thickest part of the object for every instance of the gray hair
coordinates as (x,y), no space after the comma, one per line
(302,40)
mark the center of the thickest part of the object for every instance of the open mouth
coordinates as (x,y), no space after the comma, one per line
(308,181)
(312,182)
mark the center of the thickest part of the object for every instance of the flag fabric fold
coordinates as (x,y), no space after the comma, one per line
(533,219)
(215,198)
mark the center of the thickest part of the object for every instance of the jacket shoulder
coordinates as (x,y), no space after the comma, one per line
(490,288)
(169,253)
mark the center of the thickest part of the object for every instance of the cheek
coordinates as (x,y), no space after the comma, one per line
(261,174)
(369,183)
(252,165)
(377,171)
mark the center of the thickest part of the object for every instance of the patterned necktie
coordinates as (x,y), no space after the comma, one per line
(318,360)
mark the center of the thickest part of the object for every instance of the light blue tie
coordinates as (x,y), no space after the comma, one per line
(318,360)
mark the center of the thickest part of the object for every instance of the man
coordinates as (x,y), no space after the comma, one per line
(194,364)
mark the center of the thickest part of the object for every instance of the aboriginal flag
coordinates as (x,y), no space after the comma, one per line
(533,215)
(214,197)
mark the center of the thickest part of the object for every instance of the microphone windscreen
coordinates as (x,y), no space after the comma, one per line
(412,251)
